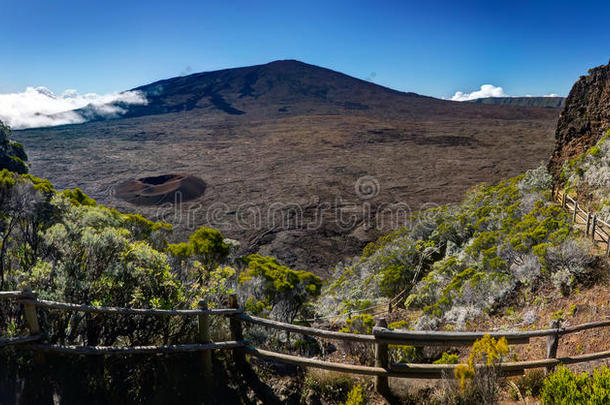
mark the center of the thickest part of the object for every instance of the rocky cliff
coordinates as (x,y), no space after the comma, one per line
(584,119)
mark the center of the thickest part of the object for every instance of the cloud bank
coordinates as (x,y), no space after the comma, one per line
(39,107)
(487,90)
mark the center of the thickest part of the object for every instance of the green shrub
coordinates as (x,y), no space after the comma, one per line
(447,358)
(12,154)
(206,245)
(205,250)
(403,353)
(279,285)
(93,258)
(78,197)
(362,324)
(566,387)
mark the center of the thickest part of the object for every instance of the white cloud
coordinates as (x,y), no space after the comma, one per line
(39,107)
(487,90)
(551,95)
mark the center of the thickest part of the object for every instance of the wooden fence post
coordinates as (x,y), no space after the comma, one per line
(588,223)
(204,337)
(575,210)
(593,224)
(552,342)
(29,310)
(236,333)
(381,360)
(563,200)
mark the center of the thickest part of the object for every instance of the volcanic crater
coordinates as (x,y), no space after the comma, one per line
(161,189)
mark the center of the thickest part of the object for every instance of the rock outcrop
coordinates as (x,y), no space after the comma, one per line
(584,119)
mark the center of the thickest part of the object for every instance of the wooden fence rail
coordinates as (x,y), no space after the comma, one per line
(381,338)
(593,226)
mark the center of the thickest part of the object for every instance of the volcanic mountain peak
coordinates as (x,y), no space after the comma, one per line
(286,88)
(283,86)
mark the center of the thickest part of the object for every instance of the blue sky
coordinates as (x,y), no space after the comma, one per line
(432,48)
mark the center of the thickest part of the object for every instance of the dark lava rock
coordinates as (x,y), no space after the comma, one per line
(585,118)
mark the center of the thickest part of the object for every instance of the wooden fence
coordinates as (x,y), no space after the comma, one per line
(380,338)
(598,230)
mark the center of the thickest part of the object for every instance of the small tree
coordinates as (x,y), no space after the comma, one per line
(273,287)
(12,154)
(205,250)
(209,247)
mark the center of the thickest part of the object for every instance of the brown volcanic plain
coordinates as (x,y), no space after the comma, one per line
(293,140)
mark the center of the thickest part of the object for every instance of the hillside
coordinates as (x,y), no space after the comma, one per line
(281,147)
(551,102)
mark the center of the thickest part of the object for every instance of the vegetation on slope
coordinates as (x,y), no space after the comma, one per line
(456,262)
(587,177)
(567,387)
(12,155)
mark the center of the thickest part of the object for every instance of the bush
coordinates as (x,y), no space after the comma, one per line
(12,155)
(94,259)
(478,378)
(566,387)
(205,245)
(78,197)
(331,386)
(537,179)
(571,264)
(403,353)
(362,324)
(272,287)
(356,396)
(531,383)
(447,358)
(589,175)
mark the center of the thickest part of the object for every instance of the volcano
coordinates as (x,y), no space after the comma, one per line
(278,149)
